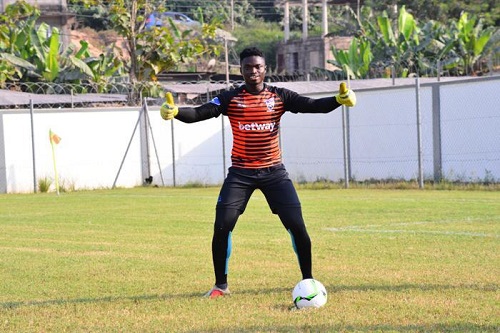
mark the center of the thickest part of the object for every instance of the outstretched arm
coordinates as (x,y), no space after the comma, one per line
(304,104)
(192,115)
(170,111)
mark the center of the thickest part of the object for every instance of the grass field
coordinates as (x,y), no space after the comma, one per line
(138,260)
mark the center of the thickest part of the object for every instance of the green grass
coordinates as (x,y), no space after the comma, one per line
(138,260)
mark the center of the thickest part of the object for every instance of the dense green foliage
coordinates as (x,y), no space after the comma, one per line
(33,52)
(265,36)
(160,48)
(409,46)
(442,11)
(423,10)
(30,51)
(436,30)
(341,19)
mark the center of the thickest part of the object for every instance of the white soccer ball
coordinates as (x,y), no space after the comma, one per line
(309,293)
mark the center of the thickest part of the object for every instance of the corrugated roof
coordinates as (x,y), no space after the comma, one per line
(194,88)
(9,97)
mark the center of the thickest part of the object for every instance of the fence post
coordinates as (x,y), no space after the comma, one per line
(144,143)
(439,70)
(436,133)
(173,151)
(148,131)
(419,135)
(345,132)
(33,146)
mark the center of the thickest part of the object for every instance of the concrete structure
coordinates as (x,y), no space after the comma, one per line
(303,55)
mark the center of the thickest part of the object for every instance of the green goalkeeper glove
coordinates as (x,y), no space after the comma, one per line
(168,109)
(346,96)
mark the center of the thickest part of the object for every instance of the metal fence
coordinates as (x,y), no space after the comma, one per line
(403,129)
(427,130)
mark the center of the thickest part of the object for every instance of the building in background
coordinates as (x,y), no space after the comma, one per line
(305,54)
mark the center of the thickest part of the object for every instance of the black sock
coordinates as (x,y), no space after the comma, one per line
(221,286)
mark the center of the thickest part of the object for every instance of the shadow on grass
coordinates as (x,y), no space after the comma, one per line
(106,299)
(330,288)
(459,327)
(409,286)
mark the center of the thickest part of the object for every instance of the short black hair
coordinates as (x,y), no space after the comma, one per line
(249,52)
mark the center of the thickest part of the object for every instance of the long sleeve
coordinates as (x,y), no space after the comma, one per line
(296,103)
(203,112)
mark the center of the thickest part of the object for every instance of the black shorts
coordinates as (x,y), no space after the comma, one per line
(272,181)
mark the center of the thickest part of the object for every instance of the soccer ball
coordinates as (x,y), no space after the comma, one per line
(309,293)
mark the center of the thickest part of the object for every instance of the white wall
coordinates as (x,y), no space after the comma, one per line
(470,118)
(383,141)
(88,156)
(383,135)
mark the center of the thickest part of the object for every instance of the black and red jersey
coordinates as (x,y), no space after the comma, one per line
(255,120)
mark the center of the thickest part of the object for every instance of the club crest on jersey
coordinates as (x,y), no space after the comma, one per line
(215,101)
(270,104)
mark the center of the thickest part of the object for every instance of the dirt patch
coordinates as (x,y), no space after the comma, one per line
(96,45)
(98,41)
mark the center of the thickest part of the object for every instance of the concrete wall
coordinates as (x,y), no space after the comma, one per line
(311,53)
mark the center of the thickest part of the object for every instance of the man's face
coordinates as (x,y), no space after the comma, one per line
(253,70)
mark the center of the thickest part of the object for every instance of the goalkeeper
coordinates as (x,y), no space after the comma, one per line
(254,111)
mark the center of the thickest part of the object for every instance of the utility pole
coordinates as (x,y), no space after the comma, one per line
(232,15)
(286,18)
(305,15)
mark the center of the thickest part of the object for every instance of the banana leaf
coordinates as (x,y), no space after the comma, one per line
(385,28)
(17,61)
(51,58)
(406,24)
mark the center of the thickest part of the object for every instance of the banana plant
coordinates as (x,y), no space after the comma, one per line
(31,53)
(405,45)
(16,23)
(401,46)
(470,41)
(8,71)
(104,67)
(14,54)
(80,66)
(27,44)
(45,43)
(356,61)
